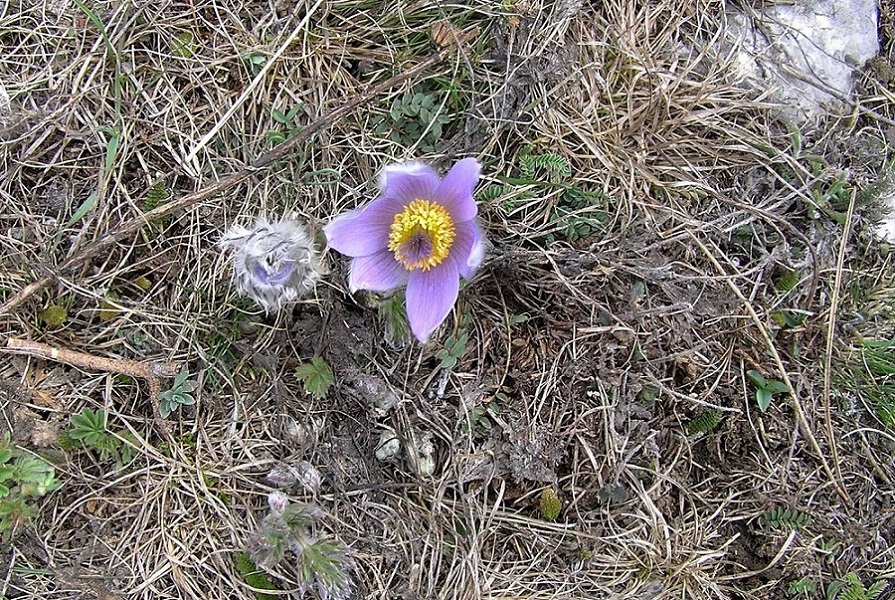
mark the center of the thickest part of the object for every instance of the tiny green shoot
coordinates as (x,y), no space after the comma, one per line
(765,389)
(316,375)
(180,394)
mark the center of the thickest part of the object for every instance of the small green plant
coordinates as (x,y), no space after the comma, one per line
(54,315)
(453,350)
(480,416)
(287,120)
(850,587)
(416,118)
(786,279)
(765,389)
(786,518)
(876,376)
(254,61)
(573,216)
(254,577)
(549,167)
(316,375)
(323,565)
(704,422)
(788,319)
(157,195)
(180,394)
(550,504)
(89,430)
(23,478)
(183,45)
(801,587)
(830,199)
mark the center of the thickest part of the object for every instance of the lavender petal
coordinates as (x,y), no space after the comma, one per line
(469,248)
(430,297)
(455,190)
(363,231)
(378,272)
(407,182)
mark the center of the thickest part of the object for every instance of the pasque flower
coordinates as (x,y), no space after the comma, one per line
(420,232)
(274,263)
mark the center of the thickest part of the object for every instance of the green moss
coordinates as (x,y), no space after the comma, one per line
(254,577)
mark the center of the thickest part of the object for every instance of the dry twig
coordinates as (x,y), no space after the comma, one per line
(152,372)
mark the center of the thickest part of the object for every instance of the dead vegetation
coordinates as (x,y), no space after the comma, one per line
(656,234)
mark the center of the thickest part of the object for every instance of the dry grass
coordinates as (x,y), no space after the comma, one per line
(592,353)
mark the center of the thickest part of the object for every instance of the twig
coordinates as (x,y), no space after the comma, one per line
(831,330)
(772,348)
(262,162)
(152,372)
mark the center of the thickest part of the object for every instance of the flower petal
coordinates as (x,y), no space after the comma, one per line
(408,182)
(468,250)
(378,272)
(455,190)
(430,297)
(363,231)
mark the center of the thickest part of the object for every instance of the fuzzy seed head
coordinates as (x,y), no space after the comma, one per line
(274,263)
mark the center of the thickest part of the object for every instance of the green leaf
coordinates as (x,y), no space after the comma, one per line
(83,209)
(785,318)
(276,137)
(763,397)
(182,45)
(112,146)
(279,116)
(180,382)
(317,376)
(88,426)
(756,378)
(254,576)
(704,422)
(293,112)
(776,386)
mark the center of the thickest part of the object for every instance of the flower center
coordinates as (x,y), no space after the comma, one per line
(421,235)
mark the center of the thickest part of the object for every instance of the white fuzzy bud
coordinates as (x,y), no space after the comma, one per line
(274,263)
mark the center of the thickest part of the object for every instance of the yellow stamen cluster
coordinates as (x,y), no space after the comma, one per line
(421,235)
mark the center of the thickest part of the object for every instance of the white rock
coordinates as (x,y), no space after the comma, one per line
(886,227)
(389,445)
(805,53)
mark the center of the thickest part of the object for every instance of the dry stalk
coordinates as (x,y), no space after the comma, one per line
(831,331)
(796,402)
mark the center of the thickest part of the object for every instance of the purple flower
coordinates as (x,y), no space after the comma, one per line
(421,231)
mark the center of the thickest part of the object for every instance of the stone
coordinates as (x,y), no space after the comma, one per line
(804,53)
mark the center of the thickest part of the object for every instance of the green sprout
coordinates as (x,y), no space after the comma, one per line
(765,389)
(453,350)
(323,565)
(23,477)
(317,376)
(89,430)
(550,504)
(416,118)
(287,120)
(850,587)
(180,394)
